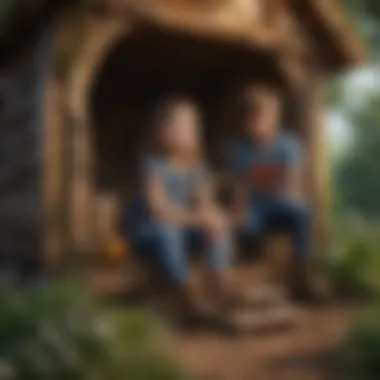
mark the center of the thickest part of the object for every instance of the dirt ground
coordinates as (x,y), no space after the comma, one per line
(295,354)
(298,354)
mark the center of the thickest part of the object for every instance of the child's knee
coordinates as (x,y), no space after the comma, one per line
(251,224)
(299,212)
(222,250)
(171,257)
(225,240)
(166,234)
(177,275)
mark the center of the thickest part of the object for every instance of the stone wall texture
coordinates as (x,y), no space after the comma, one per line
(21,151)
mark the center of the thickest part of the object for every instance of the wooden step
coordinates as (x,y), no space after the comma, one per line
(261,321)
(264,296)
(252,282)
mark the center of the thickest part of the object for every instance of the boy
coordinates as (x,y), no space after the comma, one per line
(266,163)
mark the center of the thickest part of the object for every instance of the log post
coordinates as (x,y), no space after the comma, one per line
(70,36)
(100,34)
(52,177)
(311,112)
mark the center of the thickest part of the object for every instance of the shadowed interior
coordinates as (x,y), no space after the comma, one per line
(148,65)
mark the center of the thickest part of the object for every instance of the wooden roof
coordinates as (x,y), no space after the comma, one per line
(235,21)
(204,18)
(330,32)
(323,21)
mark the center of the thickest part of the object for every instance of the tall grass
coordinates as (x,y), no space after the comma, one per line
(353,264)
(358,356)
(61,333)
(353,260)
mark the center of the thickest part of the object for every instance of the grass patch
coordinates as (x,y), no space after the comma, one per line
(353,261)
(358,356)
(63,333)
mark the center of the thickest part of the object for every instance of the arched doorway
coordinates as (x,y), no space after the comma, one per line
(125,74)
(142,68)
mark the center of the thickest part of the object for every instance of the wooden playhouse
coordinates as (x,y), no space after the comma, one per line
(114,59)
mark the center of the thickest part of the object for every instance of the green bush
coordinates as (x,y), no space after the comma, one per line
(353,263)
(62,334)
(358,357)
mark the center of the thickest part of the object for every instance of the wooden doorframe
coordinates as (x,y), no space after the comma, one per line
(71,203)
(102,34)
(311,112)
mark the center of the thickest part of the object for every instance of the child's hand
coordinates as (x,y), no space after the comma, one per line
(214,222)
(240,218)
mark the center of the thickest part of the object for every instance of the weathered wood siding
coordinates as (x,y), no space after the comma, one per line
(21,152)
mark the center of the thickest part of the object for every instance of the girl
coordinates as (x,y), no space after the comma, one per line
(176,212)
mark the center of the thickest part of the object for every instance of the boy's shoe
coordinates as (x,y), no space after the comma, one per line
(305,286)
(184,319)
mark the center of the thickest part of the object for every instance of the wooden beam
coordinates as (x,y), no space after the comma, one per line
(311,115)
(329,33)
(100,36)
(52,177)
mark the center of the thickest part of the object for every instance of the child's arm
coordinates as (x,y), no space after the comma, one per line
(162,208)
(236,180)
(293,170)
(239,199)
(204,197)
(212,218)
(293,181)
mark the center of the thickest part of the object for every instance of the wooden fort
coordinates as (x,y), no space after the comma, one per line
(113,59)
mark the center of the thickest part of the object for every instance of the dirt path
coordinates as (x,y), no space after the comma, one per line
(293,355)
(298,354)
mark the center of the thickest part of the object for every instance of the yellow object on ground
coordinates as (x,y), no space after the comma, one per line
(116,249)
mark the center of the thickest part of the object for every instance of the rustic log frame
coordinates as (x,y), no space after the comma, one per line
(79,206)
(79,231)
(318,171)
(68,170)
(73,230)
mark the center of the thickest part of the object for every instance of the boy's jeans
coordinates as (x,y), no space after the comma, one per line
(289,215)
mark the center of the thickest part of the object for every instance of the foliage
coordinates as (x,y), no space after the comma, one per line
(353,263)
(335,92)
(365,16)
(356,175)
(369,9)
(60,333)
(358,357)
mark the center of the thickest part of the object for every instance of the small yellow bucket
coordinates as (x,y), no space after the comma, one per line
(116,249)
